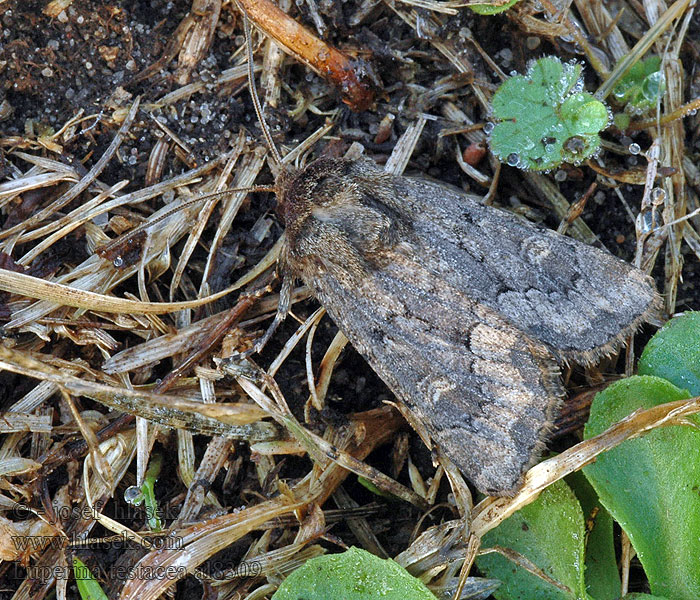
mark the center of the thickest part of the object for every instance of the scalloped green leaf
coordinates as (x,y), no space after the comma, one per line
(586,116)
(544,119)
(352,575)
(674,353)
(651,485)
(549,532)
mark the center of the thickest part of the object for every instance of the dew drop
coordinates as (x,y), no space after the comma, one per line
(513,159)
(634,148)
(653,86)
(658,195)
(506,56)
(560,175)
(131,494)
(575,144)
(488,127)
(118,262)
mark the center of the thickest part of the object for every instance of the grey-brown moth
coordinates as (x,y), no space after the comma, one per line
(464,310)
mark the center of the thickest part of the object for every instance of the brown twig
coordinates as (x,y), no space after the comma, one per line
(329,62)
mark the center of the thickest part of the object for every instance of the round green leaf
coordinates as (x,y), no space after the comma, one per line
(549,532)
(651,485)
(674,353)
(352,575)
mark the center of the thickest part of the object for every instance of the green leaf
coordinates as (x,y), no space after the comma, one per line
(544,119)
(601,575)
(642,86)
(585,115)
(549,532)
(149,494)
(88,586)
(492,9)
(366,483)
(651,485)
(352,575)
(674,353)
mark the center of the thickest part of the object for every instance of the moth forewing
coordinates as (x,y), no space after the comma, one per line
(578,300)
(462,309)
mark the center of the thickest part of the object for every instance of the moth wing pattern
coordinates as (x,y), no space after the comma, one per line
(462,309)
(577,299)
(488,392)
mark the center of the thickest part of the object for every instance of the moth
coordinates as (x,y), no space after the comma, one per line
(465,311)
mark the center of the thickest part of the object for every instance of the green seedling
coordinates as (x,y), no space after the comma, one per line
(543,119)
(352,575)
(641,87)
(146,495)
(88,587)
(366,483)
(492,9)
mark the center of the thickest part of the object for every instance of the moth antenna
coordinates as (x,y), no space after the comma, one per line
(276,156)
(127,236)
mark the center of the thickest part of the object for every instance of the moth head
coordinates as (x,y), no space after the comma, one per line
(321,184)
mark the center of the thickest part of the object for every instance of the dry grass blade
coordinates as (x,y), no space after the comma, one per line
(63,295)
(83,184)
(234,420)
(320,450)
(15,422)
